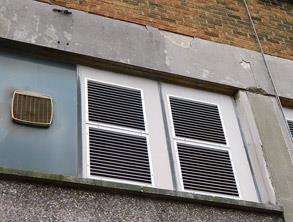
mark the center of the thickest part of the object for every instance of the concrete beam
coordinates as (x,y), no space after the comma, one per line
(101,38)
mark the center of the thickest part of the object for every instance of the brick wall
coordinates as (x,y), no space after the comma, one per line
(223,21)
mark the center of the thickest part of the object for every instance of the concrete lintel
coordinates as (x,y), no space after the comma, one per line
(17,47)
(79,183)
(103,38)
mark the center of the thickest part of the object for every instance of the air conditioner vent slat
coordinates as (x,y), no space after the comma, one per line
(111,104)
(119,155)
(203,170)
(196,120)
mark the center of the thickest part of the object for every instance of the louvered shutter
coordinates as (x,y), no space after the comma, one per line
(205,169)
(115,105)
(290,124)
(117,154)
(196,120)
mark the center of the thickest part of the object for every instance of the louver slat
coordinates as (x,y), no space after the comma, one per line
(195,120)
(206,169)
(290,124)
(115,105)
(119,156)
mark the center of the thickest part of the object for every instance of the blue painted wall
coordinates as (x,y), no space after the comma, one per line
(52,150)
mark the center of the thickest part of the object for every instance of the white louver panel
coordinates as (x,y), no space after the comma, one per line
(206,169)
(115,105)
(290,124)
(117,153)
(119,156)
(195,120)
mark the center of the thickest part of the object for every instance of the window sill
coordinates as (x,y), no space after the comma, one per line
(76,182)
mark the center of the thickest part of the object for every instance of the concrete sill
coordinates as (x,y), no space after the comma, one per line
(76,182)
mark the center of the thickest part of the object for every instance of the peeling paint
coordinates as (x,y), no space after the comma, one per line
(167,61)
(176,39)
(51,37)
(67,35)
(37,19)
(20,34)
(246,65)
(205,73)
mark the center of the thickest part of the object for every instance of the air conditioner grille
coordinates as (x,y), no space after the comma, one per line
(206,169)
(32,108)
(115,105)
(195,120)
(119,156)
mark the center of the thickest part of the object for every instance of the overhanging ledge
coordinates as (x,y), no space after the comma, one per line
(81,183)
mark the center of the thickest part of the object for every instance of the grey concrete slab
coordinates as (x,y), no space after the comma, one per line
(282,70)
(104,38)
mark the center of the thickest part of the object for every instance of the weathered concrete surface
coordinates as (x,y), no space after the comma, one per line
(22,201)
(274,136)
(282,70)
(253,146)
(35,23)
(77,182)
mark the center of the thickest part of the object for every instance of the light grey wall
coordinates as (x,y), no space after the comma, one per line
(145,47)
(51,149)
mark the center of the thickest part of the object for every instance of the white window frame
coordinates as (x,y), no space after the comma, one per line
(162,152)
(114,128)
(206,97)
(201,143)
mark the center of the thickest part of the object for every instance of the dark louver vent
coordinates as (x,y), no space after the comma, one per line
(115,105)
(196,120)
(119,156)
(290,124)
(206,169)
(32,108)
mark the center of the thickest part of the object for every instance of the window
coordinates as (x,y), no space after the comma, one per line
(207,147)
(140,131)
(203,168)
(115,123)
